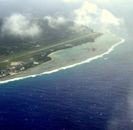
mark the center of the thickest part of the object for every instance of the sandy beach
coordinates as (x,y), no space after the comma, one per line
(71,57)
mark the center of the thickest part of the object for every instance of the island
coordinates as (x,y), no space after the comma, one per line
(53,49)
(57,56)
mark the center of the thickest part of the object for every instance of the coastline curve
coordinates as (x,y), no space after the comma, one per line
(69,66)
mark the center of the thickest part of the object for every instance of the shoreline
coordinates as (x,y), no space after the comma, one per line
(68,66)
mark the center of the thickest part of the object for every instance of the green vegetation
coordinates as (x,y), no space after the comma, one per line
(23,60)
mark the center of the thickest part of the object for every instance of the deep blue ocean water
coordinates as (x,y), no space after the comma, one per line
(92,96)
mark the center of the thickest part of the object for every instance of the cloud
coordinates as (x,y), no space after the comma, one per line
(82,16)
(108,18)
(104,2)
(87,15)
(55,22)
(70,1)
(20,25)
(90,15)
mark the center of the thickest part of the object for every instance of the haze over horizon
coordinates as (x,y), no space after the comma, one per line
(94,14)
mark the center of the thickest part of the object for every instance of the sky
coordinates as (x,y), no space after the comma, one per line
(41,6)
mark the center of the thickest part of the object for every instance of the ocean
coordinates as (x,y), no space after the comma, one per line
(92,96)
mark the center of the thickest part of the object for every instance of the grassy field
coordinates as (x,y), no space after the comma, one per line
(26,55)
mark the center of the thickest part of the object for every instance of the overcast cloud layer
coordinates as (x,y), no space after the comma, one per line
(83,13)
